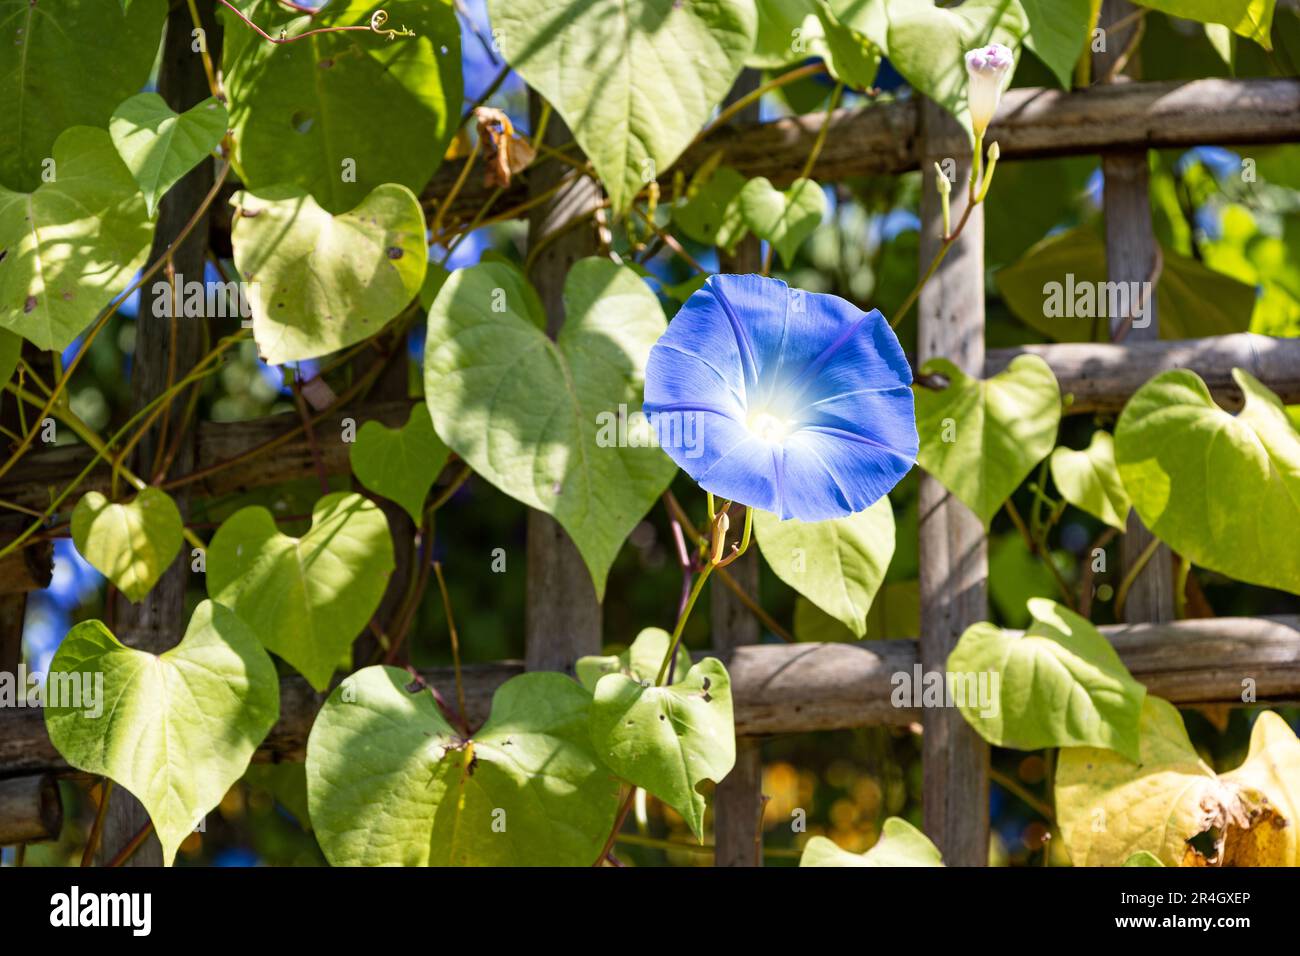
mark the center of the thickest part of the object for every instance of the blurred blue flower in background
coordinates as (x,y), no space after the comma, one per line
(793,402)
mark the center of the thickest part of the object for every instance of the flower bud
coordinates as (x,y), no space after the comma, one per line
(989,68)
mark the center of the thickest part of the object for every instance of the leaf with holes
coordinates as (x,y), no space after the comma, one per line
(1110,807)
(1271,768)
(67,64)
(69,247)
(339,114)
(900,844)
(160,146)
(837,564)
(131,543)
(178,729)
(667,740)
(651,72)
(640,661)
(1222,490)
(391,783)
(785,218)
(1089,480)
(548,422)
(317,282)
(1057,684)
(400,464)
(981,437)
(306,598)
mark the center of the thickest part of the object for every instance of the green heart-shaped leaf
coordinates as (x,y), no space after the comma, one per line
(836,564)
(641,661)
(668,739)
(160,146)
(177,729)
(1089,480)
(900,844)
(320,282)
(305,598)
(1223,490)
(1143,858)
(67,64)
(1059,288)
(341,113)
(554,424)
(927,43)
(785,219)
(131,543)
(711,213)
(390,782)
(652,72)
(791,31)
(1110,807)
(400,463)
(1057,31)
(1058,684)
(69,247)
(1252,19)
(981,437)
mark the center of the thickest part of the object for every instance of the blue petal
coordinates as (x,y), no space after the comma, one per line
(834,376)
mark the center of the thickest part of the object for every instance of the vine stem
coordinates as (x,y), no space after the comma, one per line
(198,373)
(619,818)
(132,845)
(372,27)
(1014,788)
(455,645)
(109,312)
(92,841)
(1040,552)
(832,102)
(696,588)
(1121,596)
(724,116)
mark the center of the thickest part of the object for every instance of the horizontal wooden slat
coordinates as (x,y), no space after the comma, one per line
(31,810)
(881,138)
(1101,378)
(796,688)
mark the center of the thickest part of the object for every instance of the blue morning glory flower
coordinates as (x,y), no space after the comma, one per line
(793,402)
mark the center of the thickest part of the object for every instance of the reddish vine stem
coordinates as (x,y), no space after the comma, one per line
(376,22)
(321,474)
(455,646)
(97,828)
(132,845)
(618,825)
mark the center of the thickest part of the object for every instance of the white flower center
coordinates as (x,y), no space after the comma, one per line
(768,427)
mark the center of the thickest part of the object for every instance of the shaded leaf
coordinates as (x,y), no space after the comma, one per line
(401,464)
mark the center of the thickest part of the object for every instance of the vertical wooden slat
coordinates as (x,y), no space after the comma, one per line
(738,801)
(1131,258)
(953,546)
(562,618)
(165,349)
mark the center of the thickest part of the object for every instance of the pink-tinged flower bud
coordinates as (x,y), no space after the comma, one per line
(989,68)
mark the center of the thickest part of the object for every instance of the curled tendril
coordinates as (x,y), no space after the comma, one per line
(377,21)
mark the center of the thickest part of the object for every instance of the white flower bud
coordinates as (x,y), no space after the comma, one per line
(989,68)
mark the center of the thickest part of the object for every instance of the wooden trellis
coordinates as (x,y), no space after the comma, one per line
(799,687)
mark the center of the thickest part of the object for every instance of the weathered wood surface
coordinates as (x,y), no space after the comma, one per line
(883,138)
(798,688)
(562,616)
(31,810)
(738,800)
(954,565)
